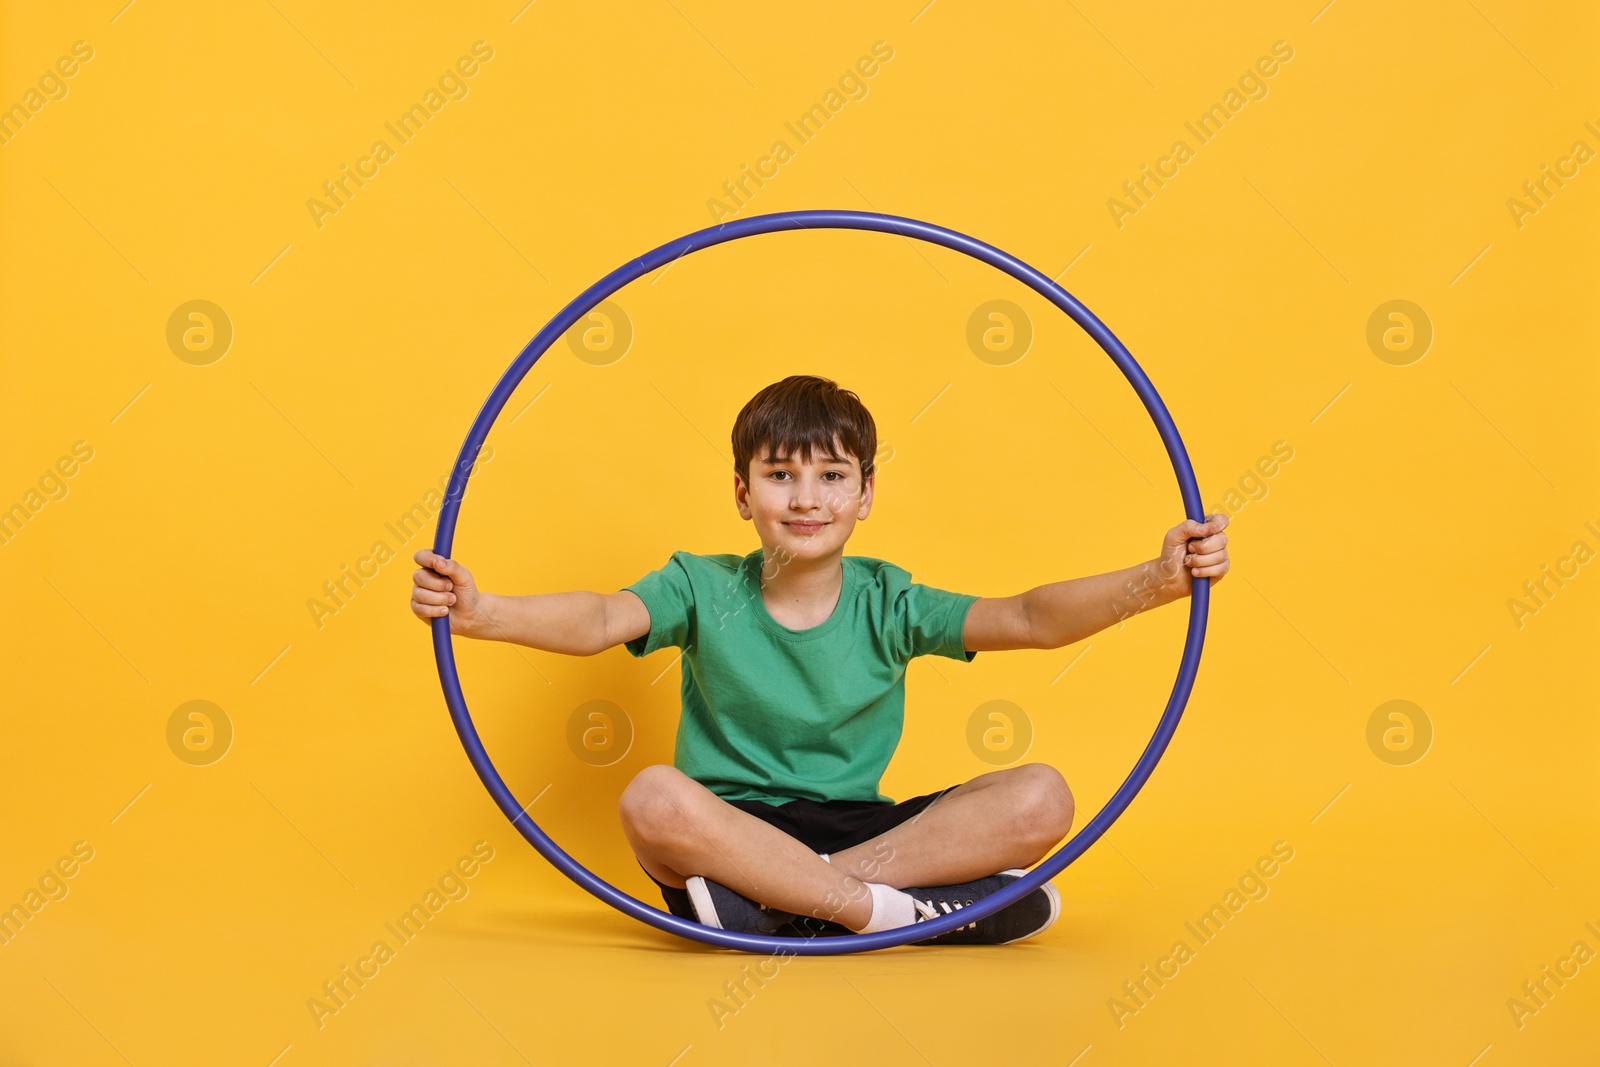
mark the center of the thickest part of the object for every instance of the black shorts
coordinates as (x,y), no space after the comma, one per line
(821,825)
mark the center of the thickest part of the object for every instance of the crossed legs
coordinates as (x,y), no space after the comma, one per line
(679,829)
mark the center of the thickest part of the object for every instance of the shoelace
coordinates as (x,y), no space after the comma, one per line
(926,910)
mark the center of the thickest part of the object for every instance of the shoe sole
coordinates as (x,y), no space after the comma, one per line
(705,909)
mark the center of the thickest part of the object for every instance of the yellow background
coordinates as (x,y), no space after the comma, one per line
(1377,566)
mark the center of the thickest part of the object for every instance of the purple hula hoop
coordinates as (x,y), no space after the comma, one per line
(584,302)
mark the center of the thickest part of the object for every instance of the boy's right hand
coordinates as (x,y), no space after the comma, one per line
(444,587)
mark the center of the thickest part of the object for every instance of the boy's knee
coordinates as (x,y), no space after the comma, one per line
(1045,806)
(653,806)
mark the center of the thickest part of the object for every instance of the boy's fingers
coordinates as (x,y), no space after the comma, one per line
(428,596)
(1192,528)
(428,611)
(451,569)
(427,557)
(428,579)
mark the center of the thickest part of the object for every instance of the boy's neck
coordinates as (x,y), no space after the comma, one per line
(799,585)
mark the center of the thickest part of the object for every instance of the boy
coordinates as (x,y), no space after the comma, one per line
(770,820)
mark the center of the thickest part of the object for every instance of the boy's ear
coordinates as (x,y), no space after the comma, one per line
(741,496)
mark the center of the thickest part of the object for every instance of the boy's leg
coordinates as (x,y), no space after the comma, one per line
(997,821)
(678,828)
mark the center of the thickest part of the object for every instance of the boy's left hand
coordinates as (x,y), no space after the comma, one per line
(1195,550)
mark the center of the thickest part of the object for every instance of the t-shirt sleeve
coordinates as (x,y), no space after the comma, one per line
(930,621)
(669,598)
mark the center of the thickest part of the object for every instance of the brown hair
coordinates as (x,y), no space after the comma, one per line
(799,414)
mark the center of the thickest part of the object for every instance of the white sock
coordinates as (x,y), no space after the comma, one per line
(891,909)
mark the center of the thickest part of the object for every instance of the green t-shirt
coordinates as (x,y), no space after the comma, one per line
(775,714)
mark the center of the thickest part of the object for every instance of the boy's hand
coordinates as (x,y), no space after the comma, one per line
(444,587)
(1195,550)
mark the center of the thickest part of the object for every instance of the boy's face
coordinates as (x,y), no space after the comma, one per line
(804,510)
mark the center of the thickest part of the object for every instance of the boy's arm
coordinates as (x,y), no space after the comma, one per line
(576,623)
(1061,613)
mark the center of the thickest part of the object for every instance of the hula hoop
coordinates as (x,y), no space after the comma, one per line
(444,650)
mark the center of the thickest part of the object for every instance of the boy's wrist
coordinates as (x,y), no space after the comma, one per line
(486,624)
(1170,576)
(1153,585)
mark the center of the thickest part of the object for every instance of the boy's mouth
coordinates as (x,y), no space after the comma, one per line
(806,527)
